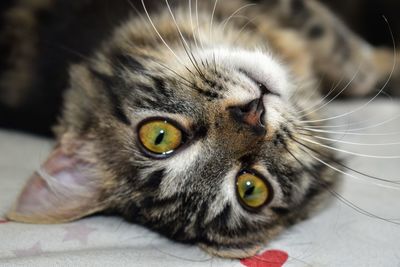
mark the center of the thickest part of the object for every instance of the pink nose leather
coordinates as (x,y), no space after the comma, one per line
(252,117)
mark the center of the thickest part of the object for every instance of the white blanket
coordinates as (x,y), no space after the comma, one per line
(336,236)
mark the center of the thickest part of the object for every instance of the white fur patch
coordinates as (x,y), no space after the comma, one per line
(177,168)
(258,65)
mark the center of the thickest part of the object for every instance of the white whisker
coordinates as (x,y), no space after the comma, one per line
(211,33)
(346,126)
(366,127)
(315,90)
(320,102)
(244,27)
(348,133)
(198,25)
(351,175)
(379,92)
(233,14)
(355,143)
(159,35)
(349,152)
(185,45)
(191,24)
(337,95)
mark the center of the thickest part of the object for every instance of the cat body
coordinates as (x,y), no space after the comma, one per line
(233,86)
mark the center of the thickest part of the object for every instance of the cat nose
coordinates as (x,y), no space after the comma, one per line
(251,114)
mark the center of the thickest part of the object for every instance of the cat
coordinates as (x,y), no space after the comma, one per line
(192,118)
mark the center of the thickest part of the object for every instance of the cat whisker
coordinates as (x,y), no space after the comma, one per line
(296,93)
(225,22)
(306,129)
(340,125)
(387,95)
(159,35)
(338,196)
(348,174)
(174,72)
(198,24)
(215,61)
(379,92)
(185,45)
(137,11)
(192,26)
(249,21)
(336,96)
(361,210)
(319,153)
(348,152)
(331,143)
(211,33)
(353,143)
(358,129)
(322,100)
(315,91)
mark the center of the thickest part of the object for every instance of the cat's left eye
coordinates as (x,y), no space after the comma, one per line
(160,136)
(253,190)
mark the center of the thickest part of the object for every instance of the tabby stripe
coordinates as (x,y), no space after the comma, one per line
(280,211)
(152,203)
(122,60)
(109,87)
(153,180)
(161,86)
(221,220)
(199,228)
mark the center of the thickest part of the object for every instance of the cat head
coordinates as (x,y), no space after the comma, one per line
(191,136)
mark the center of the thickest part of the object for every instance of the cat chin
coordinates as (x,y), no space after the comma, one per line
(232,253)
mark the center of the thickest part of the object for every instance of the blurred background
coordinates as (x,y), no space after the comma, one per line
(366,18)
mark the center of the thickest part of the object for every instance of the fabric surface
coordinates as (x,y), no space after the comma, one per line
(336,236)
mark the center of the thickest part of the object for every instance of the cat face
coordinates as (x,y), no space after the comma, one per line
(195,141)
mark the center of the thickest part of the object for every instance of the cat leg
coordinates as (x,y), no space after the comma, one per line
(340,57)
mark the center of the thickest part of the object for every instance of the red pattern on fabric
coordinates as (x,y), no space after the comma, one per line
(269,258)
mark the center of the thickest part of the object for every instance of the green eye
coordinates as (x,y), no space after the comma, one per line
(160,137)
(252,190)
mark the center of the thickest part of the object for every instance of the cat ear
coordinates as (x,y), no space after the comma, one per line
(65,188)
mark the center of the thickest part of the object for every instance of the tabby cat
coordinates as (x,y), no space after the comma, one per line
(190,117)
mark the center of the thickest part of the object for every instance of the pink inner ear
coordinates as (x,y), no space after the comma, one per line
(63,189)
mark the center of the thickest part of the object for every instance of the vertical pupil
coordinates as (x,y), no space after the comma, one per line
(160,137)
(249,188)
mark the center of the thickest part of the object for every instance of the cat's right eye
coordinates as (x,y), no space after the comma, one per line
(160,136)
